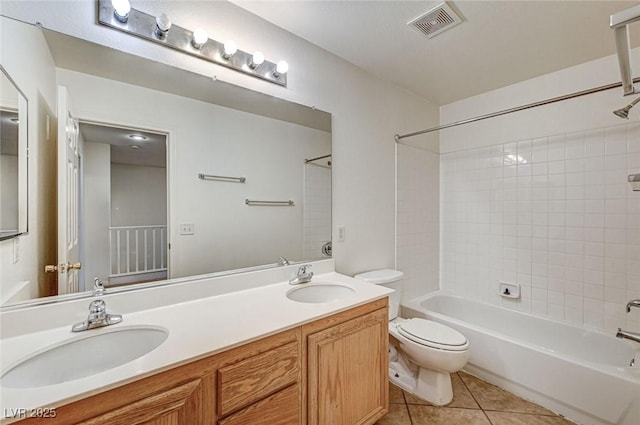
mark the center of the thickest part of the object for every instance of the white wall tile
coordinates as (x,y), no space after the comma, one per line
(565,225)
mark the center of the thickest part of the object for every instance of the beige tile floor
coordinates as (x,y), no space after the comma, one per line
(475,402)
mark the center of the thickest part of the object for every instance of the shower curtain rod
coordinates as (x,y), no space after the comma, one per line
(398,137)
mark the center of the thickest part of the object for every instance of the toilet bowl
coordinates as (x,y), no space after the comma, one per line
(422,353)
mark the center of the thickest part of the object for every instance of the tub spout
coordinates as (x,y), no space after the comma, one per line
(633,336)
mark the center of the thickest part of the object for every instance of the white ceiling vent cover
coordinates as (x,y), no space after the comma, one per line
(436,20)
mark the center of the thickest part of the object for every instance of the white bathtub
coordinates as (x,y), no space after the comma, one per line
(582,374)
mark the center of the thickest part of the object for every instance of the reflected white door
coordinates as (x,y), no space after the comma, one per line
(68,196)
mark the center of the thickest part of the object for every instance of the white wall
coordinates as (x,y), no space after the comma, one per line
(366,112)
(35,75)
(138,195)
(565,224)
(418,220)
(96,210)
(210,139)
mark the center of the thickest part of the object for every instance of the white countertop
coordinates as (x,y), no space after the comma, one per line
(197,329)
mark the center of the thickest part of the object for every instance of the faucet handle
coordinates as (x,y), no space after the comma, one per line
(97,306)
(98,287)
(303,269)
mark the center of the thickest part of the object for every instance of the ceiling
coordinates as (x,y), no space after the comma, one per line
(499,42)
(151,152)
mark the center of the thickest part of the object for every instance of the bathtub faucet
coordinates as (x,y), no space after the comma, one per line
(633,303)
(633,336)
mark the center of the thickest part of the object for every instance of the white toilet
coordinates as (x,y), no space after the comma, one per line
(422,353)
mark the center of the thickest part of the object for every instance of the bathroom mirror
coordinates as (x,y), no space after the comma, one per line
(13,158)
(246,176)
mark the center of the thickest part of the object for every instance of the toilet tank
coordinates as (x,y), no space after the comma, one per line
(391,279)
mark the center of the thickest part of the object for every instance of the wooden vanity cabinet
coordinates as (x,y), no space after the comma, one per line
(228,388)
(332,371)
(347,366)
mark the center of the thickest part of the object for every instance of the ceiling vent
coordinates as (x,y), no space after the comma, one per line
(436,20)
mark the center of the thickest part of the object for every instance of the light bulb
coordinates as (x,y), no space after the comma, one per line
(256,60)
(281,68)
(121,9)
(200,37)
(229,49)
(163,25)
(137,137)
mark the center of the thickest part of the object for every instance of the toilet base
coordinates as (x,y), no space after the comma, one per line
(430,385)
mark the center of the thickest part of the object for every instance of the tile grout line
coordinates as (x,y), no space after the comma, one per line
(406,406)
(474,398)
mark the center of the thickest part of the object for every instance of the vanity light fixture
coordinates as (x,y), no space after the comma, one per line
(163,25)
(121,10)
(256,60)
(229,49)
(119,15)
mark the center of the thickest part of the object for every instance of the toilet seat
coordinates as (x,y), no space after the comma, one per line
(433,334)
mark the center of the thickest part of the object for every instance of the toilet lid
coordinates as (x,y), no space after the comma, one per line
(433,334)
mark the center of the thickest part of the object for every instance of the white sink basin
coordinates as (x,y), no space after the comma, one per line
(320,292)
(84,356)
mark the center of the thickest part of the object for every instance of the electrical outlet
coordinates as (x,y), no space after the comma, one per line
(187,229)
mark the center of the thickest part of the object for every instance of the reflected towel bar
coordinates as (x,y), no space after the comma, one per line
(288,203)
(202,176)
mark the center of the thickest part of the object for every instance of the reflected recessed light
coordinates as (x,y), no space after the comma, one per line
(137,137)
(134,147)
(14,120)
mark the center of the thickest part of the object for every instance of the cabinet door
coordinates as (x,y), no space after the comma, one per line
(347,371)
(177,406)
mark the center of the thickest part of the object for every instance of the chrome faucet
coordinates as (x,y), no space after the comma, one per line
(303,275)
(283,261)
(98,316)
(633,303)
(633,336)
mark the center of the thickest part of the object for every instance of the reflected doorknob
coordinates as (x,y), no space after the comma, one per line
(74,266)
(63,267)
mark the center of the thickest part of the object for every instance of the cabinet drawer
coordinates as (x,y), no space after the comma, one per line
(281,408)
(255,378)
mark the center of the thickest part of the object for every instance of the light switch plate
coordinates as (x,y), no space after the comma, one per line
(187,229)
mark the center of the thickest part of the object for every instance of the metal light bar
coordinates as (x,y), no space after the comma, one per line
(143,25)
(619,23)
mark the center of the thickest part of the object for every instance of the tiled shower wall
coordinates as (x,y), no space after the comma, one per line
(555,215)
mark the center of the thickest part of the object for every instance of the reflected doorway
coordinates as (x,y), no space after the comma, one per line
(123,225)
